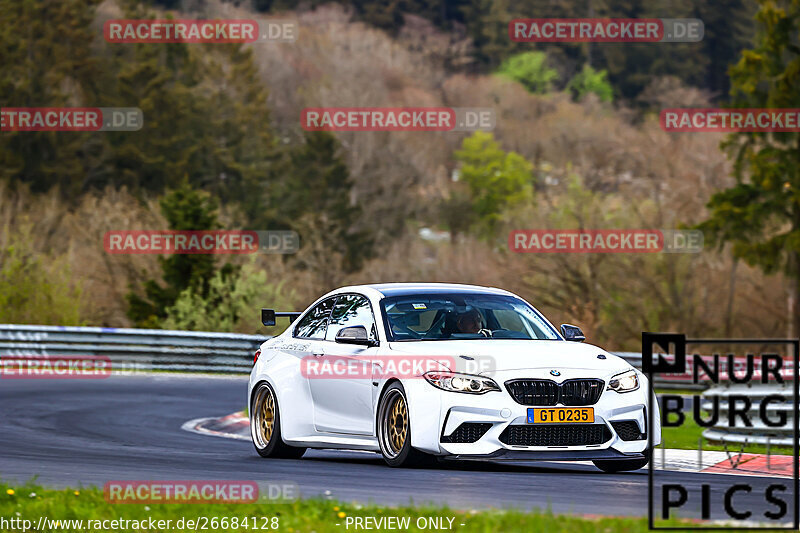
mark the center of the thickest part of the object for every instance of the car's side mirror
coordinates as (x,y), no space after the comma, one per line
(572,333)
(355,335)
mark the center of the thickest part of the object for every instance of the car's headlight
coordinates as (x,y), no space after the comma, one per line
(625,382)
(455,382)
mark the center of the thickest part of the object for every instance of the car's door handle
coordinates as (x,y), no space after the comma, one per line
(318,354)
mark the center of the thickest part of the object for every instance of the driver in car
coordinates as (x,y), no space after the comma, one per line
(469,322)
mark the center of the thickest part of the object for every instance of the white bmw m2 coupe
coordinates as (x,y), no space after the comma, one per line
(423,371)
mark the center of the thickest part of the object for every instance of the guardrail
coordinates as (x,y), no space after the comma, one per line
(664,381)
(136,349)
(160,349)
(758,432)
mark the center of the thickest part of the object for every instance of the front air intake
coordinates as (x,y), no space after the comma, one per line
(555,435)
(467,432)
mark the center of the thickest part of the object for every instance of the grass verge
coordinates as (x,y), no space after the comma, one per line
(687,436)
(31,502)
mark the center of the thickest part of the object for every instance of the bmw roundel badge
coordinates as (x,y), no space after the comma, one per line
(555,373)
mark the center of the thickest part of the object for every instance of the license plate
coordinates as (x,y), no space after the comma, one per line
(561,415)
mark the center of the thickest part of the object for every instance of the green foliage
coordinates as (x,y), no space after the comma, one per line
(589,80)
(35,288)
(204,106)
(187,209)
(389,14)
(63,506)
(314,200)
(595,289)
(630,66)
(206,118)
(531,70)
(487,23)
(497,180)
(687,437)
(49,64)
(231,304)
(760,215)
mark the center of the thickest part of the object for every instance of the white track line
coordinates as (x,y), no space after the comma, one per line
(195,426)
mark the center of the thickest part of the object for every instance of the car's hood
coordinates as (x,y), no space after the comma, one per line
(501,355)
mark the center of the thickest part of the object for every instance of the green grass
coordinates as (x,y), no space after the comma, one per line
(681,392)
(687,435)
(30,502)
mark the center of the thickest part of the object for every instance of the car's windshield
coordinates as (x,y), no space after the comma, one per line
(463,316)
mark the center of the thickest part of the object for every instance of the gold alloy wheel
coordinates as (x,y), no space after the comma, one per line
(398,424)
(265,416)
(395,423)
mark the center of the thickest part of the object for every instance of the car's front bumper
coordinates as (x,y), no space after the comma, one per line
(549,455)
(435,416)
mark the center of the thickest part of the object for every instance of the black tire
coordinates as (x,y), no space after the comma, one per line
(394,453)
(612,466)
(268,443)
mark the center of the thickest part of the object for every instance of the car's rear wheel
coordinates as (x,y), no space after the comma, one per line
(265,426)
(394,430)
(612,466)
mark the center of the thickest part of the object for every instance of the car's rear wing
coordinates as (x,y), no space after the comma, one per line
(269,316)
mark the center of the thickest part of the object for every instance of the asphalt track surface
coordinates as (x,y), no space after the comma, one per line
(87,432)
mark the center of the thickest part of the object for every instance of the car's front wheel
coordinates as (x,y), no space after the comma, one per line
(265,425)
(612,466)
(394,430)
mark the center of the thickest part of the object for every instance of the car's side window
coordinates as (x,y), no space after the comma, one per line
(351,310)
(314,324)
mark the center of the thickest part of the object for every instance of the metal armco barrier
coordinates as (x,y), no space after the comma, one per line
(161,349)
(136,349)
(759,432)
(664,381)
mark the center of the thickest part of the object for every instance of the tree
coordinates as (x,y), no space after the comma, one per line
(760,215)
(185,209)
(205,118)
(487,24)
(594,289)
(36,288)
(47,62)
(531,70)
(729,28)
(204,106)
(314,199)
(589,80)
(231,303)
(496,180)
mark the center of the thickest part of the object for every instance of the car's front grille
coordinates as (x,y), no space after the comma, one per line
(581,391)
(534,391)
(555,435)
(545,392)
(467,432)
(628,430)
